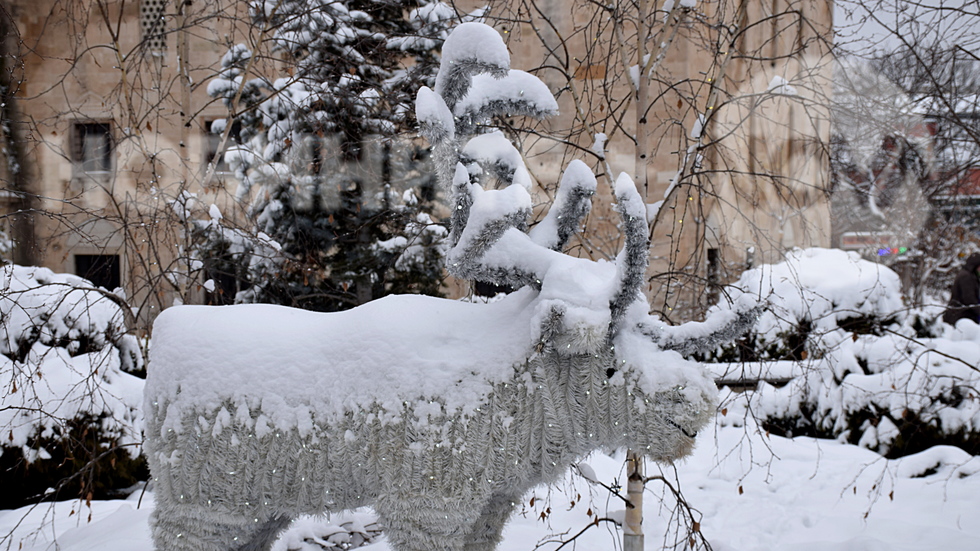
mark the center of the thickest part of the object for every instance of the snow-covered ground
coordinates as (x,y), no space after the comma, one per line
(754,492)
(749,491)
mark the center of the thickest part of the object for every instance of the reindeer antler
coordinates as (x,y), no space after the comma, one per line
(489,226)
(632,260)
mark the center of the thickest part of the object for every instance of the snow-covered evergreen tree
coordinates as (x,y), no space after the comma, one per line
(320,157)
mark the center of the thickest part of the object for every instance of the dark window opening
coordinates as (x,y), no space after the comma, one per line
(714,275)
(226,277)
(213,141)
(224,291)
(103,270)
(314,155)
(490,290)
(92,146)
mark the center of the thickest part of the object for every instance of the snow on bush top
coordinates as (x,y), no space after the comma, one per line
(53,387)
(896,392)
(63,347)
(822,286)
(65,310)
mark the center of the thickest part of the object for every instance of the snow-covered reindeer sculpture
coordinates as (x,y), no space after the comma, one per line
(440,414)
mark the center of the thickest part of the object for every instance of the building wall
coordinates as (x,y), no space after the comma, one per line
(757,191)
(88,66)
(760,183)
(772,159)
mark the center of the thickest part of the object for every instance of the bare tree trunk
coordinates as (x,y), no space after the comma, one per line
(15,168)
(183,51)
(633,525)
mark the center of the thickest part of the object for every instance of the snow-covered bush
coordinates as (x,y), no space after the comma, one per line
(809,295)
(440,414)
(863,372)
(67,396)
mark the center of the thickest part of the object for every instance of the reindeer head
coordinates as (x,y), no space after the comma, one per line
(584,308)
(585,305)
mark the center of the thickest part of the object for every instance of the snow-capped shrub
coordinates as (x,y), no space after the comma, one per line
(67,397)
(812,293)
(866,372)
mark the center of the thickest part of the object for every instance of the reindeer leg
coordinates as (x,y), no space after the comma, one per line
(196,528)
(484,534)
(263,538)
(426,523)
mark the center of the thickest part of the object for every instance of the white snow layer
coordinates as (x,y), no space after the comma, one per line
(476,42)
(302,367)
(299,368)
(517,86)
(471,44)
(495,149)
(431,110)
(750,492)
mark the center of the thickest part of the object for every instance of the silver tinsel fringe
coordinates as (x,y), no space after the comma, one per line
(439,482)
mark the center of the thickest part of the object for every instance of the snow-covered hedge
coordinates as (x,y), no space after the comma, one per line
(861,370)
(66,397)
(811,294)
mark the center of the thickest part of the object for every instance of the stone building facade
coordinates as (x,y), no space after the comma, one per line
(108,122)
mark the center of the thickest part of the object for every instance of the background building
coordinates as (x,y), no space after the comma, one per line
(718,110)
(725,127)
(108,121)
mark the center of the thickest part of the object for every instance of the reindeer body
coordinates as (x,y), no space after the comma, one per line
(440,414)
(443,467)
